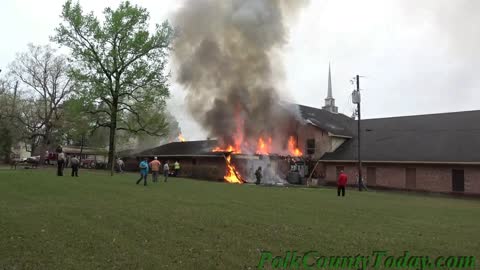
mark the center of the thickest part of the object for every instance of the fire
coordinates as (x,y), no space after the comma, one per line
(230,148)
(181,138)
(293,148)
(232,175)
(264,148)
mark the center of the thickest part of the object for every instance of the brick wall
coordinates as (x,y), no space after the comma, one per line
(208,168)
(437,179)
(349,169)
(322,140)
(472,180)
(205,168)
(427,177)
(390,176)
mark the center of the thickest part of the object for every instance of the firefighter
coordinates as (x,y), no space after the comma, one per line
(258,175)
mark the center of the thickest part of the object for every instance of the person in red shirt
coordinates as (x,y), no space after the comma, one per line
(342,183)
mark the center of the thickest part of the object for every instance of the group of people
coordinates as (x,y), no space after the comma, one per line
(61,163)
(155,166)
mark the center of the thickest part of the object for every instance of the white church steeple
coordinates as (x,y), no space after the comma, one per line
(330,101)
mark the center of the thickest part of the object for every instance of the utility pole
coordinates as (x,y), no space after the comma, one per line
(357,100)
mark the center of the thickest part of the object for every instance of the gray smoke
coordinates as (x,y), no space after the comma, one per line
(226,53)
(455,24)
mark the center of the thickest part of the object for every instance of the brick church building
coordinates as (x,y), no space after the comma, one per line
(434,152)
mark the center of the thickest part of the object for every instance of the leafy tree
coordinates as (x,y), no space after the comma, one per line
(77,124)
(8,129)
(145,141)
(43,73)
(120,64)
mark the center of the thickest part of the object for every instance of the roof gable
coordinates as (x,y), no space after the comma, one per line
(334,123)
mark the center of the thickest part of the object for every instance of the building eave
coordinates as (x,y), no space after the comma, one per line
(339,136)
(153,155)
(405,162)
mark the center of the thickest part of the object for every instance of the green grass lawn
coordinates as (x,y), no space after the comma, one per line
(101,222)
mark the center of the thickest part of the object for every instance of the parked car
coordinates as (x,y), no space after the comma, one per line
(88,163)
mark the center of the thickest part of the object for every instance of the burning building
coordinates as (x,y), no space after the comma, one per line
(226,57)
(314,133)
(436,152)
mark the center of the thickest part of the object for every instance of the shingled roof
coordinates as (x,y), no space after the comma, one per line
(336,124)
(438,138)
(188,148)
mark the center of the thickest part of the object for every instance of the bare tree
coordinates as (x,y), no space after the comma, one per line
(44,74)
(31,123)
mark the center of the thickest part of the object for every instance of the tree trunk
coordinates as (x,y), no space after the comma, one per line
(44,145)
(33,147)
(111,147)
(82,142)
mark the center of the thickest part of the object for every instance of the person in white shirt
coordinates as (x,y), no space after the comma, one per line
(120,165)
(166,170)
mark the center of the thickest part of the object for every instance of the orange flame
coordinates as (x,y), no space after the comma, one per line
(293,148)
(230,148)
(232,175)
(264,148)
(181,138)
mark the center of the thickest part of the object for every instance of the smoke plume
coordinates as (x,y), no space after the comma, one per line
(226,53)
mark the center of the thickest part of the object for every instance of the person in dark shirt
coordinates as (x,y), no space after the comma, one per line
(75,164)
(258,175)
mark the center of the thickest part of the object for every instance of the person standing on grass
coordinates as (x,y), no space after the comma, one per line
(258,175)
(166,171)
(143,171)
(47,158)
(342,183)
(155,166)
(120,165)
(60,163)
(176,167)
(75,164)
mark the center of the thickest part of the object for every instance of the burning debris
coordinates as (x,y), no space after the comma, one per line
(232,175)
(227,55)
(181,138)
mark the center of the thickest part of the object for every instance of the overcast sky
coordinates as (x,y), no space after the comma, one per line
(417,56)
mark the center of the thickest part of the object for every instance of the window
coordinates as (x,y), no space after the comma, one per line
(310,146)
